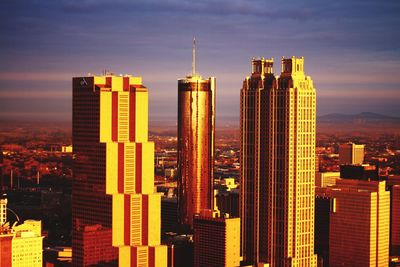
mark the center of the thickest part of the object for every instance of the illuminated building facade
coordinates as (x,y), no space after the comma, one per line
(359,224)
(196,120)
(278,165)
(216,240)
(113,189)
(351,153)
(20,245)
(27,244)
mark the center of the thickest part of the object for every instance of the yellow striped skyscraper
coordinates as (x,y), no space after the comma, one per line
(114,174)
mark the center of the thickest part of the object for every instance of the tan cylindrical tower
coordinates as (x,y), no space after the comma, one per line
(196,119)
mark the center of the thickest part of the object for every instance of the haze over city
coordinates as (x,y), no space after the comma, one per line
(350,48)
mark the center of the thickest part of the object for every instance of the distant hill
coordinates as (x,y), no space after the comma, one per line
(363,117)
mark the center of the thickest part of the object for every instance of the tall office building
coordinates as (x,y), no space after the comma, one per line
(359,224)
(196,119)
(278,165)
(351,153)
(115,210)
(216,240)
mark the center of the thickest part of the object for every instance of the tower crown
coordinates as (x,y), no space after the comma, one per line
(292,65)
(262,66)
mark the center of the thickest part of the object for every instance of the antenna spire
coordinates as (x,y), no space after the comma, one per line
(194,57)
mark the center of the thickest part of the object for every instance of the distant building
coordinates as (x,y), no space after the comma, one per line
(1,170)
(21,245)
(359,224)
(228,202)
(170,172)
(180,250)
(66,149)
(324,179)
(216,240)
(364,172)
(169,214)
(3,211)
(96,242)
(351,153)
(229,183)
(57,256)
(395,217)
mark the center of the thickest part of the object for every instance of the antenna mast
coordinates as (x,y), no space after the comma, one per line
(194,57)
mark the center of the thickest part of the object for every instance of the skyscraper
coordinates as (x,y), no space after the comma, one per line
(115,210)
(196,119)
(278,165)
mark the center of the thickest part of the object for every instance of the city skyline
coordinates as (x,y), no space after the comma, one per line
(133,176)
(45,43)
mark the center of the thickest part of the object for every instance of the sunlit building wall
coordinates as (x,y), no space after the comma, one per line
(278,165)
(216,240)
(359,224)
(27,249)
(115,166)
(20,245)
(196,123)
(324,179)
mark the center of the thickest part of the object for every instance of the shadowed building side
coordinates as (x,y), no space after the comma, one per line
(253,153)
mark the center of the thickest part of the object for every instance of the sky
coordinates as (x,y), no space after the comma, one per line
(351,50)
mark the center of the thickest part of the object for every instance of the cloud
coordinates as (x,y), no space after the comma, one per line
(34,76)
(34,94)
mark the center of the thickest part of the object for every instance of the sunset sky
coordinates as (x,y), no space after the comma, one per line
(351,50)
